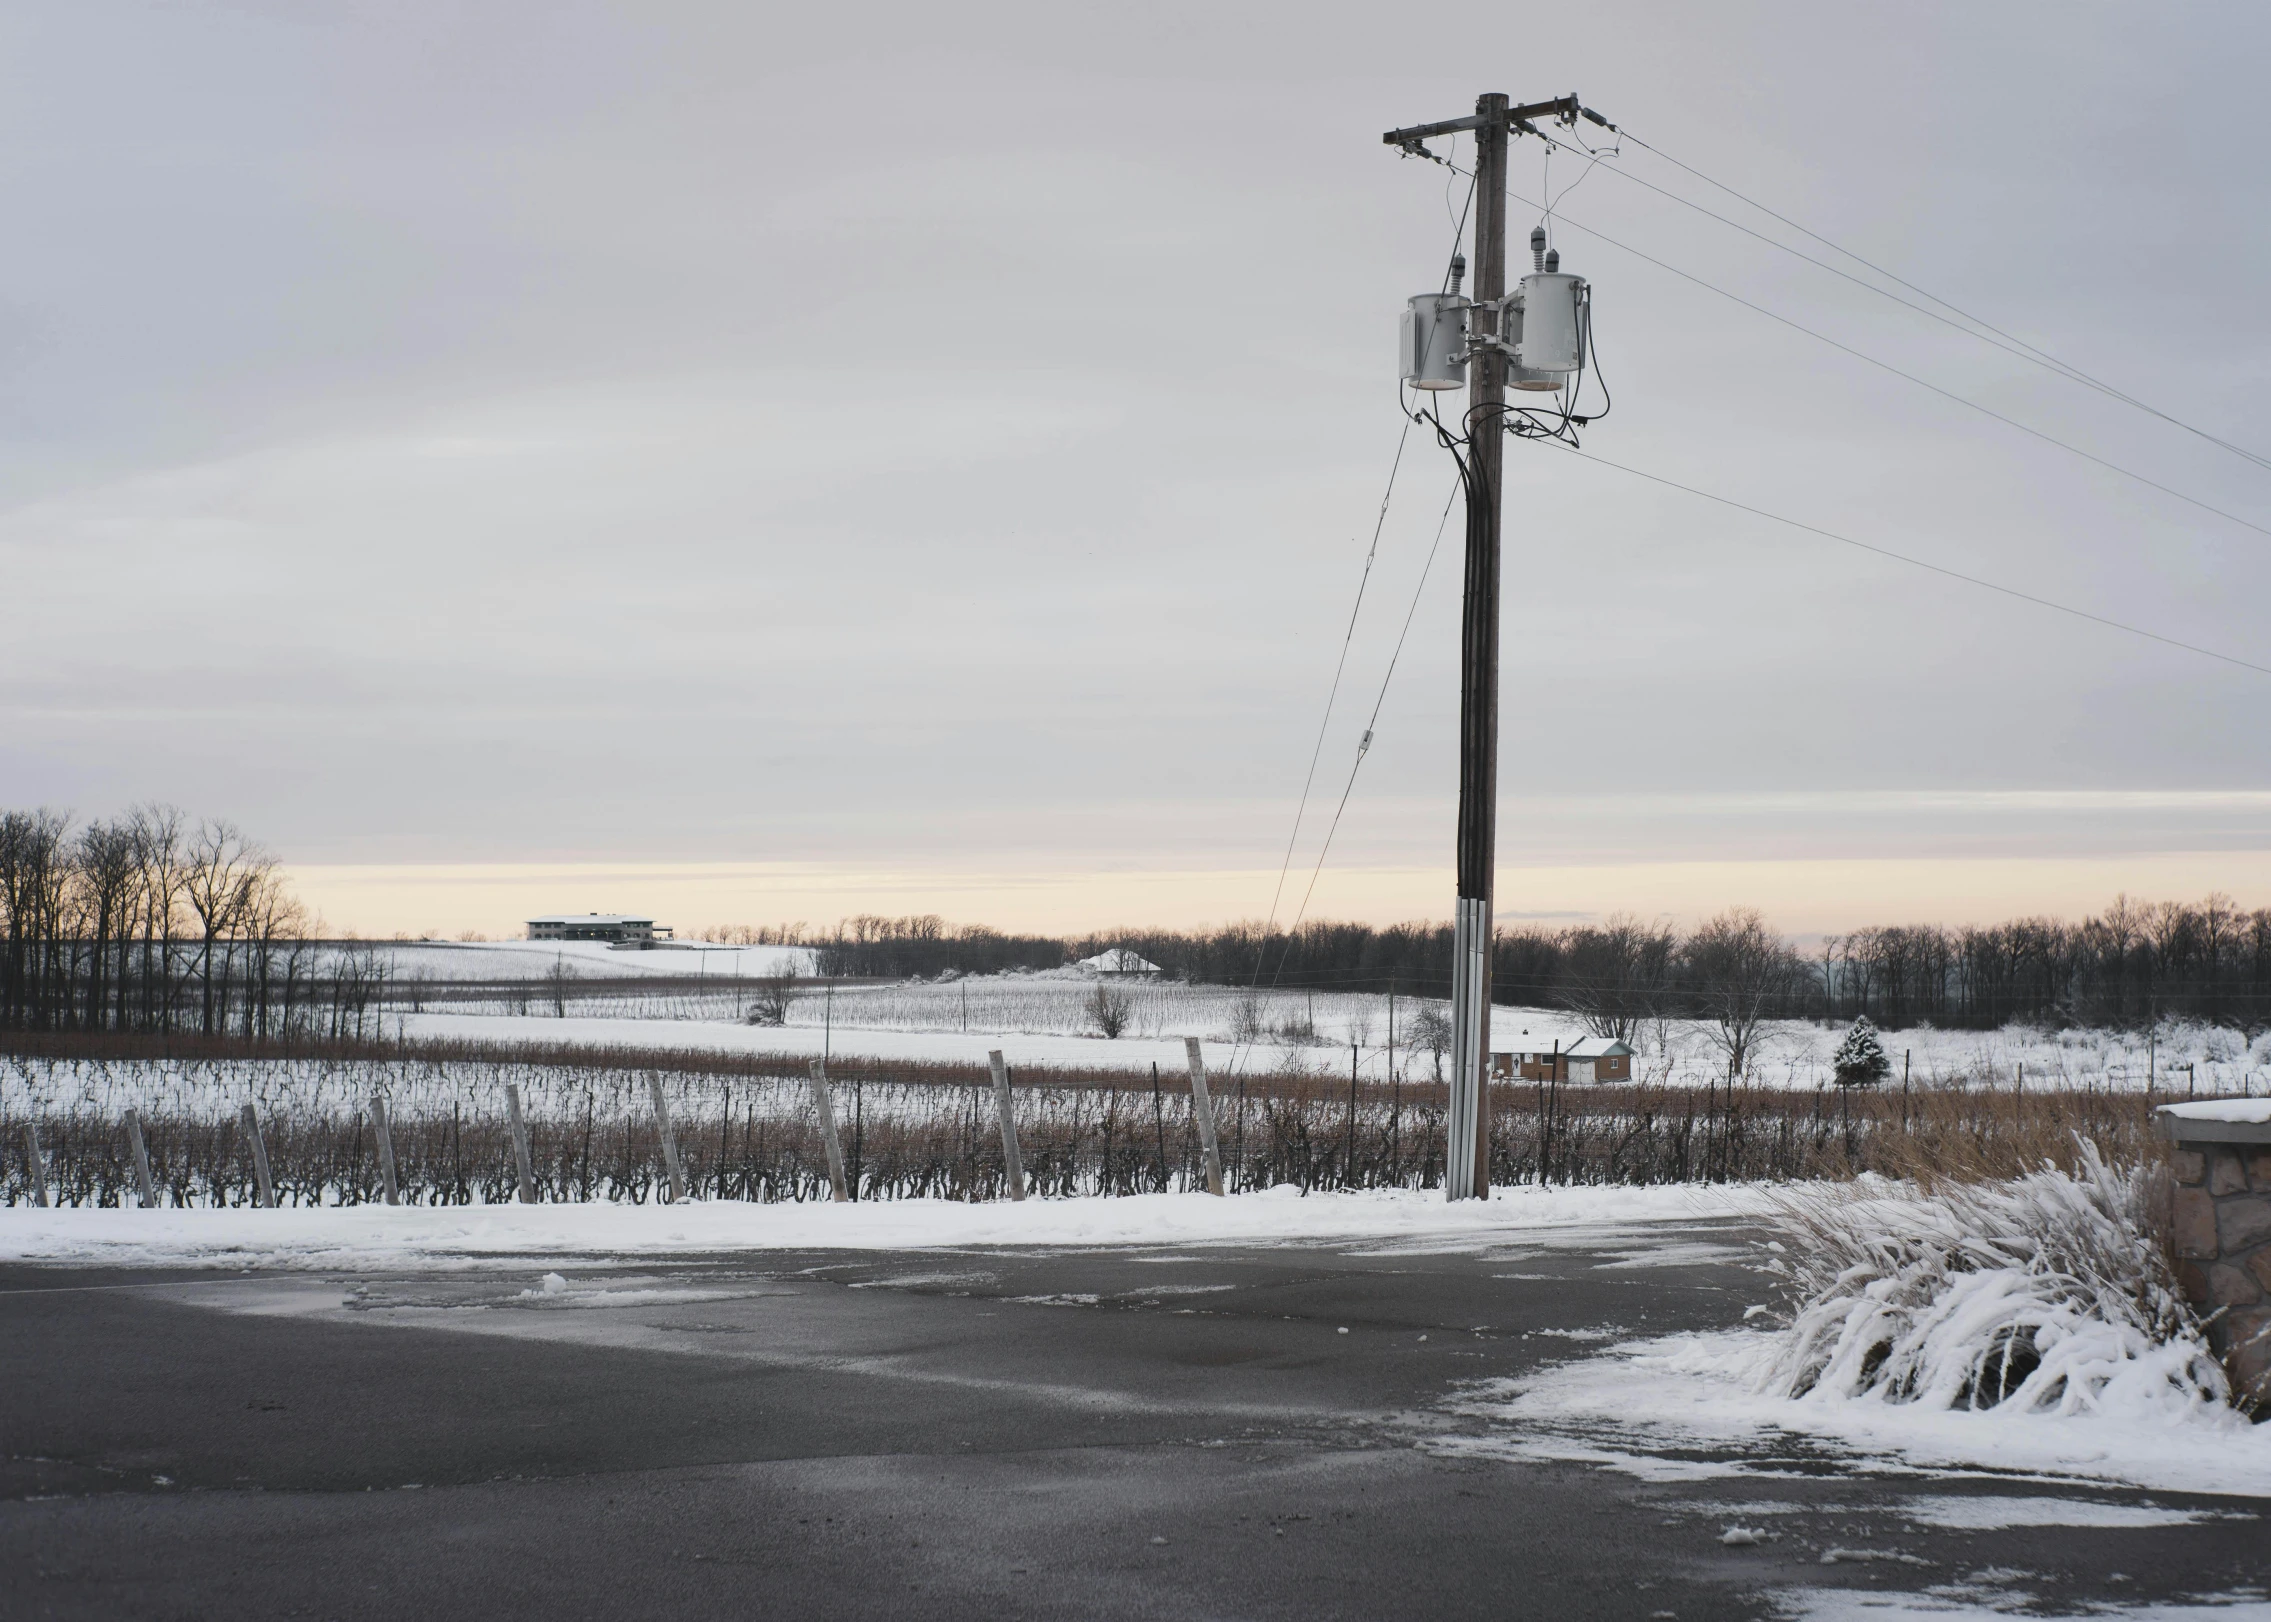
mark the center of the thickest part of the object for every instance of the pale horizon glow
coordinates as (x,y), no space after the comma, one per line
(1805,898)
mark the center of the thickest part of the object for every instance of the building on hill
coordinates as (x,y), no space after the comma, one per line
(597,926)
(1118,963)
(1589,1058)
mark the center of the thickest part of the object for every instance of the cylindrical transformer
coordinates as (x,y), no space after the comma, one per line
(1435,341)
(1523,377)
(1549,322)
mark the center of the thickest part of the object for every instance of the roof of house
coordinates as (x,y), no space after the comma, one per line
(1584,1047)
(589,918)
(1119,960)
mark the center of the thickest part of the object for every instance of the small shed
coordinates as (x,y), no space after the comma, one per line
(1589,1058)
(1118,963)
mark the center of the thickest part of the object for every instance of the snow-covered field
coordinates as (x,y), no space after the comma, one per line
(390,1238)
(718,1036)
(591,960)
(1047,1019)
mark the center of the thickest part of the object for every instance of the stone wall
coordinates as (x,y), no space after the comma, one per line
(2220,1217)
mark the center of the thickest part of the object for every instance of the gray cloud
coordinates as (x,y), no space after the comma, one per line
(450,434)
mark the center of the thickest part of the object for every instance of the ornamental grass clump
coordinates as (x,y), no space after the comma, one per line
(2046,1293)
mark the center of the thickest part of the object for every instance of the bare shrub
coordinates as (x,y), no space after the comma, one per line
(770,1002)
(1109,1010)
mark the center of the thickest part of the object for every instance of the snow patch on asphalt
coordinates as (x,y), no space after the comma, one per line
(395,1238)
(1687,1407)
(1967,1514)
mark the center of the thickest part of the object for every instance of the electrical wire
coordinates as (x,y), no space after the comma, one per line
(1920,563)
(1333,694)
(1911,377)
(1988,332)
(1364,744)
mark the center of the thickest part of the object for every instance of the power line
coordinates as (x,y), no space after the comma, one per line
(1364,744)
(1983,331)
(1911,377)
(1333,694)
(2040,357)
(1920,563)
(2010,341)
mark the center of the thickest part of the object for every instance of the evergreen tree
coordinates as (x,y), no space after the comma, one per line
(1860,1059)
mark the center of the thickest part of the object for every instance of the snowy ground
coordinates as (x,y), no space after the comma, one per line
(594,960)
(1047,1020)
(378,1237)
(718,1036)
(1683,1408)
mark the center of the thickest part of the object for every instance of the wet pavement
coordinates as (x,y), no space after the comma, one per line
(1212,1432)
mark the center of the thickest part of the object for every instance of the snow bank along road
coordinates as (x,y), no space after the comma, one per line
(1213,1427)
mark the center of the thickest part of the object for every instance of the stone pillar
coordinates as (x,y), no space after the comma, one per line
(2220,1222)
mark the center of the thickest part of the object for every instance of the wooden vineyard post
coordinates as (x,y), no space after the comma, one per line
(383,1130)
(251,1119)
(520,1144)
(36,1166)
(1202,1108)
(825,1107)
(669,1141)
(1012,1164)
(141,1159)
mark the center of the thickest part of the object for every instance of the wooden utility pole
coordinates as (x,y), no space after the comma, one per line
(824,1107)
(1466,1171)
(1012,1163)
(1202,1112)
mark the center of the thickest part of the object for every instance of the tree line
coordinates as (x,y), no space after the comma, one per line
(2132,964)
(152,921)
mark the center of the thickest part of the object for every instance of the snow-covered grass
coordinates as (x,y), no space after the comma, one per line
(2047,1293)
(2030,1325)
(379,1237)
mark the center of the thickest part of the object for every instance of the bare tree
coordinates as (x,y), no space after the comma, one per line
(226,872)
(1431,1029)
(1740,971)
(1618,974)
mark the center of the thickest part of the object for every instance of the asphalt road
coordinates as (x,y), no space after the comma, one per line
(1249,1433)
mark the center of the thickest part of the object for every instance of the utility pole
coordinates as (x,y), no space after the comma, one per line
(1466,1171)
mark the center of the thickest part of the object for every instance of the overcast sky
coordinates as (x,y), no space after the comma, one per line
(772,462)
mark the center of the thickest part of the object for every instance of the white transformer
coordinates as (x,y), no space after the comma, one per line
(1435,341)
(1552,324)
(1518,376)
